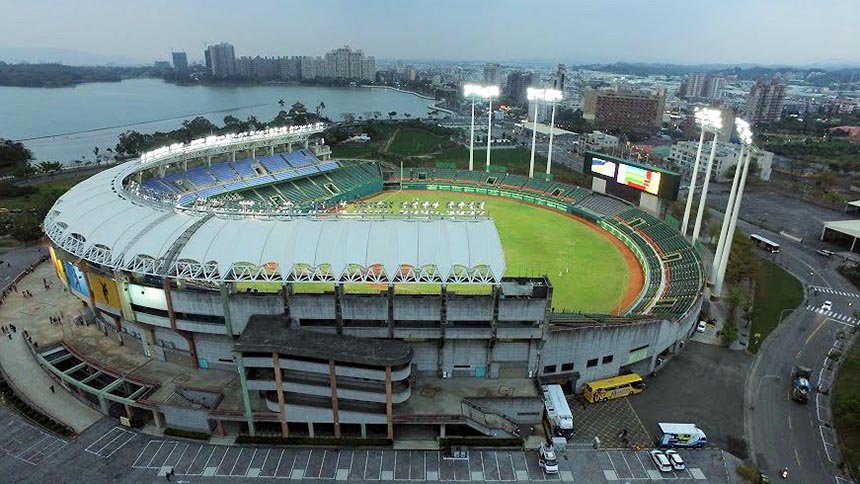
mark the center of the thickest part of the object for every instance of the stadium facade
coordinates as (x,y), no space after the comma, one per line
(225,254)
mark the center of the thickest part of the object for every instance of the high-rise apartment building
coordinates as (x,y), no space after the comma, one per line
(492,75)
(345,63)
(764,104)
(180,63)
(221,60)
(702,86)
(517,84)
(556,79)
(623,109)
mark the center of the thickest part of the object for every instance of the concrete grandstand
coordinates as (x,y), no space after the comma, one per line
(232,256)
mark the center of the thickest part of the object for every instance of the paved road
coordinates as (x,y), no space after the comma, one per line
(780,431)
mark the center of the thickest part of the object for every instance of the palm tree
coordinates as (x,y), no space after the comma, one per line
(281,103)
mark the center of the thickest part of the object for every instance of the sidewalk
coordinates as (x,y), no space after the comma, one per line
(18,363)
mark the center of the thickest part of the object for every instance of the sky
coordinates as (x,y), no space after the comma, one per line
(795,32)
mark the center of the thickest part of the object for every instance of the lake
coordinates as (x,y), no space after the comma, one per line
(148,105)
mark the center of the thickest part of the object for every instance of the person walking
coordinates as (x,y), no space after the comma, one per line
(52,388)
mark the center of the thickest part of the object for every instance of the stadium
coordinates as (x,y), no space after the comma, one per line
(394,301)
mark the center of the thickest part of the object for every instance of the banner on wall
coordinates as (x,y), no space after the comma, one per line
(58,264)
(105,291)
(77,281)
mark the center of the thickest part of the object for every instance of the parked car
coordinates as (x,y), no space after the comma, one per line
(661,461)
(675,459)
(547,460)
(824,252)
(701,326)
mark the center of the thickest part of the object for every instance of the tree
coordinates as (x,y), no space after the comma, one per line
(730,333)
(376,114)
(96,154)
(713,230)
(744,263)
(348,117)
(391,114)
(407,115)
(281,103)
(26,228)
(49,166)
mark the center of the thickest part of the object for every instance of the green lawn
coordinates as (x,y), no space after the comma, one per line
(588,273)
(415,141)
(353,150)
(846,407)
(776,290)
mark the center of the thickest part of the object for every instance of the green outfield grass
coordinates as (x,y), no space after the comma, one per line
(415,141)
(588,273)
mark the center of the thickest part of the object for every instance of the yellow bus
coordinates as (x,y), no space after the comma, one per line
(618,386)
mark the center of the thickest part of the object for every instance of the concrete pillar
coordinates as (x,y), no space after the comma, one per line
(272,150)
(363,430)
(165,284)
(306,143)
(279,389)
(338,307)
(128,411)
(253,152)
(232,156)
(733,221)
(219,427)
(225,306)
(332,381)
(82,266)
(156,418)
(290,147)
(311,429)
(246,398)
(209,160)
(388,405)
(442,430)
(692,191)
(390,313)
(103,405)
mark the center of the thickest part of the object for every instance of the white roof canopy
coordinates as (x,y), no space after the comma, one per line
(95,222)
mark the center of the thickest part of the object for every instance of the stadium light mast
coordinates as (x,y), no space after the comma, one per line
(715,125)
(471,91)
(721,258)
(535,95)
(488,93)
(552,96)
(705,117)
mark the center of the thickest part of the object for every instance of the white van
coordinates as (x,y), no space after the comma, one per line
(547,460)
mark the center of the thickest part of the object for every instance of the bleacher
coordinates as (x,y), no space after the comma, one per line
(602,206)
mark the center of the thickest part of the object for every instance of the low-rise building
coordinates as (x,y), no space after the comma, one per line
(683,156)
(596,141)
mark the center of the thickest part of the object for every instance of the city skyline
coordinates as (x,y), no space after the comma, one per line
(667,31)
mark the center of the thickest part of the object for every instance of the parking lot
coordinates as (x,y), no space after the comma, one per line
(26,442)
(190,459)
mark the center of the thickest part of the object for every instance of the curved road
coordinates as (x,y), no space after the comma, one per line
(781,432)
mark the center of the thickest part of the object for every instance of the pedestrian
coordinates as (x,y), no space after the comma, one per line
(13,328)
(9,335)
(52,388)
(26,334)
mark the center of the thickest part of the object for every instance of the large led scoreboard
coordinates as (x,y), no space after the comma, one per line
(618,172)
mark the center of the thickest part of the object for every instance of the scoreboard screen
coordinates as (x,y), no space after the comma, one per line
(599,166)
(639,178)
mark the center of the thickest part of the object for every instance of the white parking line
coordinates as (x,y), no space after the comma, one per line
(194,459)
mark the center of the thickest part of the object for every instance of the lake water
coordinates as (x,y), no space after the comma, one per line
(158,106)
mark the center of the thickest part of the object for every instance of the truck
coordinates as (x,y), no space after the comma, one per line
(680,435)
(557,410)
(801,388)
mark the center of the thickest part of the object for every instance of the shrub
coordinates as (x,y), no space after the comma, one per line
(749,473)
(324,441)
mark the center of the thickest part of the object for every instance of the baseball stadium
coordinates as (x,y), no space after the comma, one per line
(275,291)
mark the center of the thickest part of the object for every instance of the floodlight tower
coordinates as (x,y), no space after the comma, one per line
(551,96)
(715,124)
(732,212)
(705,117)
(535,95)
(471,91)
(488,93)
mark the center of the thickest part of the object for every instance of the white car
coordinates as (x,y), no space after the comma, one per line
(676,460)
(701,326)
(661,461)
(547,460)
(827,306)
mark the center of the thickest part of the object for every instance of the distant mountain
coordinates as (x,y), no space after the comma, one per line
(64,56)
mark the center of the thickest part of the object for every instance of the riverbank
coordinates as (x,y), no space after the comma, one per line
(389,88)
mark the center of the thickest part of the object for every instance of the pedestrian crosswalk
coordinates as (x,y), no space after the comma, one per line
(828,290)
(841,318)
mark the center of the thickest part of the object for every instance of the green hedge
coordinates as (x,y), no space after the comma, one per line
(187,434)
(327,441)
(479,442)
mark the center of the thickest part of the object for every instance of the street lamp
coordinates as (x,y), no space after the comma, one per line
(745,134)
(710,120)
(472,91)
